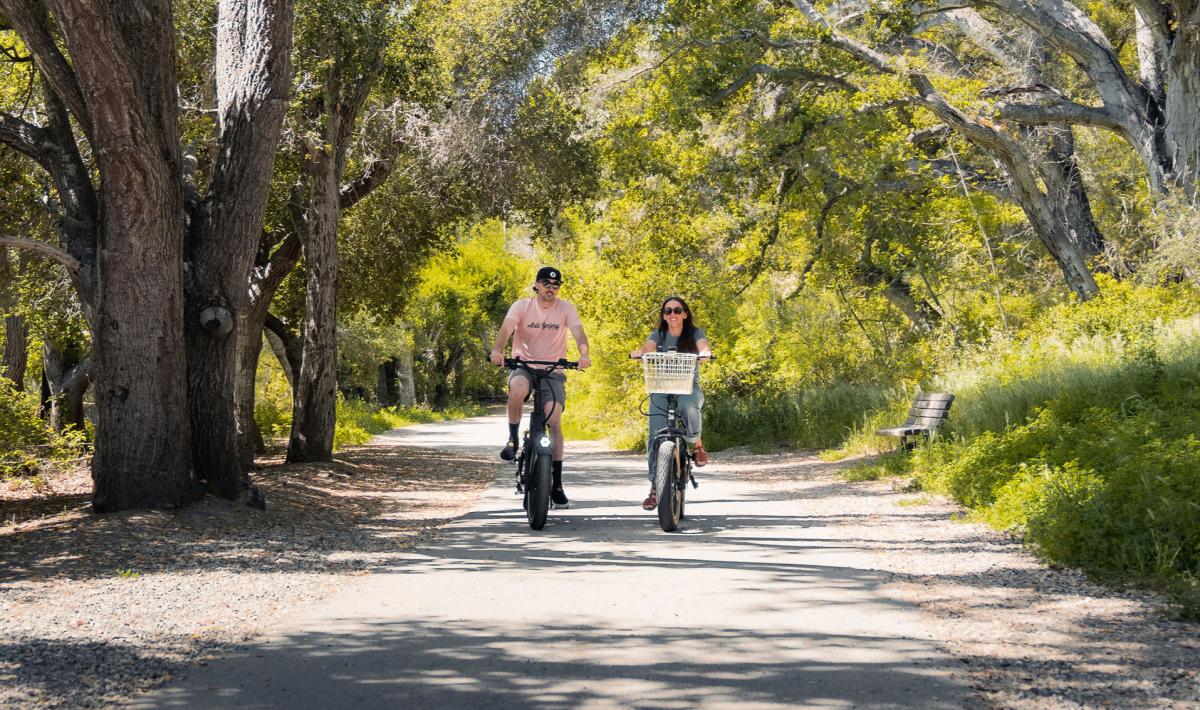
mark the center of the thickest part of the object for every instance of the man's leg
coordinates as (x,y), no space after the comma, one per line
(518,390)
(554,426)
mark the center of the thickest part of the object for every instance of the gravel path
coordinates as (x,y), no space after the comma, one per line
(94,609)
(1028,635)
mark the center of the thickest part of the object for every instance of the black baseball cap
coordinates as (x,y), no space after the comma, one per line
(549,273)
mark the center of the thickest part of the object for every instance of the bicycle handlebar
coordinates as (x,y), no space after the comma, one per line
(561,362)
(710,357)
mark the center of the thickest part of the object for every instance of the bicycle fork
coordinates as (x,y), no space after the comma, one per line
(537,442)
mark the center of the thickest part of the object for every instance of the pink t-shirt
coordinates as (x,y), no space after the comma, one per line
(541,333)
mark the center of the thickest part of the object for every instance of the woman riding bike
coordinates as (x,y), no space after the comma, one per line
(676,331)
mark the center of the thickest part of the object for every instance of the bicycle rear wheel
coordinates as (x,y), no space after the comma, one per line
(666,478)
(537,490)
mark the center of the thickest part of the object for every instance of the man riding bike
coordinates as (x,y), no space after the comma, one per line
(538,327)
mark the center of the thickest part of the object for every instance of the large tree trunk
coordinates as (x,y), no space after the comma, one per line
(406,390)
(64,383)
(251,330)
(16,349)
(253,60)
(314,409)
(1182,124)
(249,347)
(16,331)
(125,59)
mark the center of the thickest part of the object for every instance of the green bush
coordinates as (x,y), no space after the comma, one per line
(358,421)
(1082,435)
(26,443)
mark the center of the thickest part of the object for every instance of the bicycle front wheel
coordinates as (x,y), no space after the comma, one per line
(666,478)
(537,491)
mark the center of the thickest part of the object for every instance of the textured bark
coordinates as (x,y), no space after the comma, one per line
(64,382)
(1157,115)
(1064,183)
(16,349)
(314,405)
(264,283)
(1182,109)
(252,74)
(16,331)
(406,391)
(125,59)
(1041,211)
(287,346)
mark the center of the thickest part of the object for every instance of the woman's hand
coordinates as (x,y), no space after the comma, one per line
(704,355)
(636,354)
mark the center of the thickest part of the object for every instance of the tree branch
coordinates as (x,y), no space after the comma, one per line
(786,180)
(1059,112)
(864,53)
(31,20)
(1156,17)
(27,139)
(376,173)
(47,250)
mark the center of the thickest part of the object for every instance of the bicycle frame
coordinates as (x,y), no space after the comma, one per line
(676,431)
(671,472)
(535,458)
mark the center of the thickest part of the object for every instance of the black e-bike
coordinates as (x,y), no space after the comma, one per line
(535,460)
(670,373)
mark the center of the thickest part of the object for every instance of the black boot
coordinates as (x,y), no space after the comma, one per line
(556,491)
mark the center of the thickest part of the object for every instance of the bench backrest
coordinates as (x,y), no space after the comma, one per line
(929,409)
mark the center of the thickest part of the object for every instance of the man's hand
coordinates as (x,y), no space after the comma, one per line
(497,356)
(584,362)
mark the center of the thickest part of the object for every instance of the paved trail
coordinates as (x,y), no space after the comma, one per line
(749,605)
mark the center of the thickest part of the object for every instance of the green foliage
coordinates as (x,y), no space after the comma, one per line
(358,421)
(27,445)
(1081,434)
(461,298)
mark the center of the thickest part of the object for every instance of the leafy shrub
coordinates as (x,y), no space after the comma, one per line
(1082,435)
(358,421)
(26,443)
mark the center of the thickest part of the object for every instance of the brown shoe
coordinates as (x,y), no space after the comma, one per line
(700,454)
(651,501)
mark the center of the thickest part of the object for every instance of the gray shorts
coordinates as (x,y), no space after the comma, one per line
(554,387)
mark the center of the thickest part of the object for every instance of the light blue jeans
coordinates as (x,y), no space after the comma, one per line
(689,410)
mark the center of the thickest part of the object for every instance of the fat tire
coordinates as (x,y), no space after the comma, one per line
(537,490)
(666,476)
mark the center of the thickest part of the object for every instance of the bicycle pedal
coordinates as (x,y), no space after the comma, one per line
(695,483)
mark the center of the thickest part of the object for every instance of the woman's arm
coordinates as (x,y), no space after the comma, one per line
(647,347)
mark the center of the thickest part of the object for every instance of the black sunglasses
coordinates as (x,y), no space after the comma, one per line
(677,310)
(555,284)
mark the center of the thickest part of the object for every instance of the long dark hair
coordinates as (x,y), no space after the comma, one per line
(687,339)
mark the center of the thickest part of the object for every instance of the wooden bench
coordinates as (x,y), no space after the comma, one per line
(928,412)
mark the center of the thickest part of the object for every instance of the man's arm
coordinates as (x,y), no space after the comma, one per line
(581,342)
(506,330)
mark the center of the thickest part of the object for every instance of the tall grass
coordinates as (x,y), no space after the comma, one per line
(1084,438)
(814,418)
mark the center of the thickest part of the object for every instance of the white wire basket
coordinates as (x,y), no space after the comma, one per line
(669,373)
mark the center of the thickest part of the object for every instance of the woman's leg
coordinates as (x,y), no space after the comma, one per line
(658,420)
(689,408)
